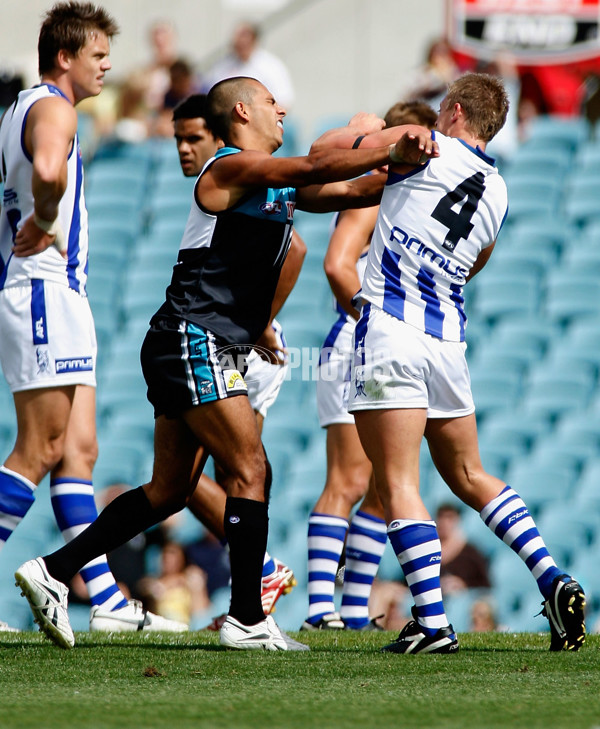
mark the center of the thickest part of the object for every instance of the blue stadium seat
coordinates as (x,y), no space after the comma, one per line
(540,484)
(570,295)
(110,246)
(556,132)
(552,391)
(506,294)
(102,173)
(512,584)
(568,533)
(527,199)
(496,390)
(580,204)
(587,493)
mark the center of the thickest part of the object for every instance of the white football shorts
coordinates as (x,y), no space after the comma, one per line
(264,379)
(47,337)
(333,378)
(396,365)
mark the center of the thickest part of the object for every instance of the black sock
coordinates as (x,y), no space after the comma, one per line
(123,519)
(246,529)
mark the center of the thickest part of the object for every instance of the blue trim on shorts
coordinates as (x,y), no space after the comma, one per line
(39,319)
(205,381)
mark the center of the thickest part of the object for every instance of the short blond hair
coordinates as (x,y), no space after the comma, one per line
(484,102)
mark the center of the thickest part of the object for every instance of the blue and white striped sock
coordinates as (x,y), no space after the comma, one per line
(364,548)
(508,517)
(326,535)
(16,498)
(417,546)
(75,509)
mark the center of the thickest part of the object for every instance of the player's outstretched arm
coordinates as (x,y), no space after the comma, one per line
(360,125)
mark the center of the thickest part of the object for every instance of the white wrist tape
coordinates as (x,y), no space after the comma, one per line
(393,156)
(52,228)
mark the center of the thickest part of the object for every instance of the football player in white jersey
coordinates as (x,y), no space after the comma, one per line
(48,350)
(348,468)
(196,145)
(436,228)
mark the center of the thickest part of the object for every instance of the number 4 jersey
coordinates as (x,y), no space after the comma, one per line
(431,227)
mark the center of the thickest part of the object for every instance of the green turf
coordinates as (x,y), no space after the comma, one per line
(143,682)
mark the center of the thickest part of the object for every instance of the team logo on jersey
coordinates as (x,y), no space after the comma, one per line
(43,360)
(206,387)
(272,207)
(235,381)
(9,197)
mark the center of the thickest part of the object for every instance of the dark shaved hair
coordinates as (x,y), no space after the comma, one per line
(194,107)
(67,26)
(221,101)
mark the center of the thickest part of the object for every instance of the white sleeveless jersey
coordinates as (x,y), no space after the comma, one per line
(431,227)
(17,205)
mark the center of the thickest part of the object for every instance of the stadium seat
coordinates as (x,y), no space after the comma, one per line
(495,390)
(569,297)
(580,204)
(102,173)
(532,333)
(110,246)
(506,294)
(540,484)
(568,533)
(528,199)
(515,254)
(170,185)
(587,493)
(552,391)
(557,132)
(512,584)
(531,161)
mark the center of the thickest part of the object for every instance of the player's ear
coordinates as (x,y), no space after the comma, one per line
(63,59)
(241,109)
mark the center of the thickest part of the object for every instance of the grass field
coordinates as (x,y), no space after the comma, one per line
(188,680)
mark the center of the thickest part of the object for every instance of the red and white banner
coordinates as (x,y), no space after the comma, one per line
(532,31)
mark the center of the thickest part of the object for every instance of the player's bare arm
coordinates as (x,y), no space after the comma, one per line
(229,178)
(49,134)
(361,124)
(481,260)
(363,192)
(349,239)
(413,144)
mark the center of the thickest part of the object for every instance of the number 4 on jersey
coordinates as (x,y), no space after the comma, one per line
(459,223)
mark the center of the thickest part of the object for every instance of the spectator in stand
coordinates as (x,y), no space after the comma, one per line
(247,58)
(483,618)
(179,591)
(435,75)
(463,565)
(182,85)
(163,41)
